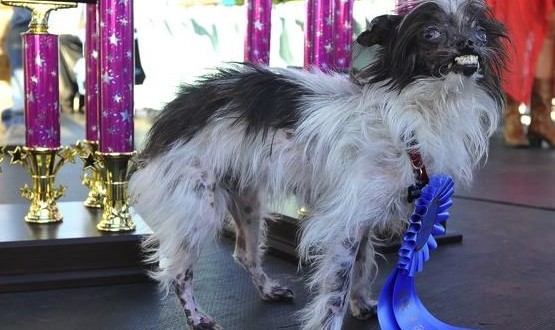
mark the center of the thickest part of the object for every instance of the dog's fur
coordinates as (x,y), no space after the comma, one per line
(248,137)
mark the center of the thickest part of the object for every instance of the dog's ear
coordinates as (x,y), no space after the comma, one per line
(379,30)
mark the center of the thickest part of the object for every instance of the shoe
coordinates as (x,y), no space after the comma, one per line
(513,132)
(541,126)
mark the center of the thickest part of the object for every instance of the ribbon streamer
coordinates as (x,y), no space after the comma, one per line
(399,307)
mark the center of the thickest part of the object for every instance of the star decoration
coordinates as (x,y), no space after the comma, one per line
(50,133)
(329,48)
(53,73)
(35,79)
(94,54)
(125,117)
(39,61)
(89,162)
(258,25)
(128,54)
(31,97)
(113,39)
(68,154)
(117,98)
(17,155)
(329,21)
(123,21)
(106,78)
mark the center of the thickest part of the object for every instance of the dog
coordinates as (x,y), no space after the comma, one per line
(247,137)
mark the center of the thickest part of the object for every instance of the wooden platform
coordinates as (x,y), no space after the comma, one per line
(71,253)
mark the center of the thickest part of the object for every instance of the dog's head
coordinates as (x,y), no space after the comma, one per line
(434,39)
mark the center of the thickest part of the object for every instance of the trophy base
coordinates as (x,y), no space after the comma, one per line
(93,202)
(116,224)
(44,216)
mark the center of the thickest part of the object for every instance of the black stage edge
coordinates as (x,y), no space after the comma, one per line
(283,234)
(72,253)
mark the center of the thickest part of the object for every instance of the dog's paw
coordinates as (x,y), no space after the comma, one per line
(206,324)
(364,309)
(277,293)
(200,321)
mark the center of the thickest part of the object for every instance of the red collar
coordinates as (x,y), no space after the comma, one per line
(420,175)
(418,167)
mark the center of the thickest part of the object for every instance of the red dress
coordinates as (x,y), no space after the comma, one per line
(527,23)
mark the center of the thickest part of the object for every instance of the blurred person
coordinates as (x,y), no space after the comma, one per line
(528,78)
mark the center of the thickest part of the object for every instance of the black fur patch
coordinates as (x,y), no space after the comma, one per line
(256,97)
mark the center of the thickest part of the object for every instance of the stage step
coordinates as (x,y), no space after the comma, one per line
(72,253)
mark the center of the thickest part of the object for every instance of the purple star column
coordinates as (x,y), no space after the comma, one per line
(403,6)
(42,114)
(116,76)
(343,34)
(319,28)
(257,40)
(92,74)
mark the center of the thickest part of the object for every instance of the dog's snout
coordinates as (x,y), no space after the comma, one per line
(465,43)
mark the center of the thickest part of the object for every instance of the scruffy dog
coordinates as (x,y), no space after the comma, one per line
(248,137)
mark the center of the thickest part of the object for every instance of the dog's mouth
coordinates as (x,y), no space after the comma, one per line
(465,64)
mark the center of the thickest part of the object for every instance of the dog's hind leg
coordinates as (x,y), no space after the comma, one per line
(332,279)
(362,305)
(247,213)
(184,208)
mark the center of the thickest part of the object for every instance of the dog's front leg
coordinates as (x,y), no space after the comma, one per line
(332,279)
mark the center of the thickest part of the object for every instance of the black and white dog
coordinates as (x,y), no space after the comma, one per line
(248,137)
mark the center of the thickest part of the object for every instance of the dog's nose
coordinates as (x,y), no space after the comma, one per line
(465,43)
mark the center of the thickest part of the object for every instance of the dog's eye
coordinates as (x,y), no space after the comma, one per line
(482,35)
(431,33)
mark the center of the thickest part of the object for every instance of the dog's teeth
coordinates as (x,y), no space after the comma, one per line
(467,59)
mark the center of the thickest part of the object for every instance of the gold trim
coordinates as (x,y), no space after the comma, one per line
(115,216)
(92,173)
(40,10)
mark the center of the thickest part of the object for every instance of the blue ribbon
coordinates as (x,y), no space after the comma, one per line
(399,307)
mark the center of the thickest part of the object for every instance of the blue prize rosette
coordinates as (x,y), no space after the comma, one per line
(399,307)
